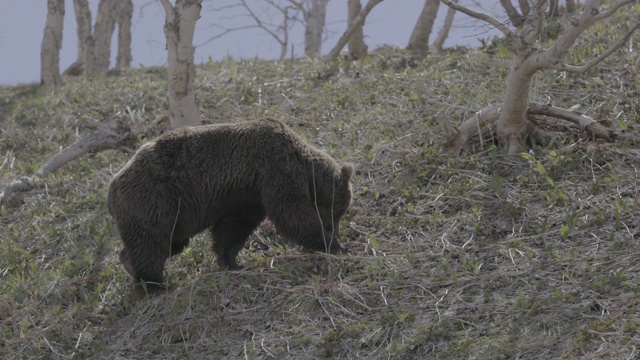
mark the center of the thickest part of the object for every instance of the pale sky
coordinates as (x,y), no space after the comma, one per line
(22,25)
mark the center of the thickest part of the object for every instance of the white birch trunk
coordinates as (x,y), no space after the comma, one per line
(125,13)
(84,27)
(419,40)
(179,29)
(357,47)
(315,18)
(103,30)
(446,27)
(51,44)
(357,22)
(512,122)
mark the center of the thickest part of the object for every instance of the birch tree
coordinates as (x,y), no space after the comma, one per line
(352,27)
(85,38)
(179,27)
(124,13)
(357,47)
(52,43)
(94,42)
(528,57)
(314,14)
(419,40)
(103,32)
(444,30)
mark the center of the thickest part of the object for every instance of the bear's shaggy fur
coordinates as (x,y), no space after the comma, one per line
(225,178)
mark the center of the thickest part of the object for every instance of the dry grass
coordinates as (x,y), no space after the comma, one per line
(484,256)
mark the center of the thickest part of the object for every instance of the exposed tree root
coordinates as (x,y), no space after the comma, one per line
(113,134)
(471,127)
(487,117)
(599,129)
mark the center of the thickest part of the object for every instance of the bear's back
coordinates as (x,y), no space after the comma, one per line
(252,143)
(221,154)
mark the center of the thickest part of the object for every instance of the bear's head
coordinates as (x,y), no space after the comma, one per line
(333,198)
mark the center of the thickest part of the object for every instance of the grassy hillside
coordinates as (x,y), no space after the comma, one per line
(482,256)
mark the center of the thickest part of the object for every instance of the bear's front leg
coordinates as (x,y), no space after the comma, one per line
(232,231)
(299,222)
(328,243)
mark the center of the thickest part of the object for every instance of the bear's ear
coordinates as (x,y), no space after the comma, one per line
(347,170)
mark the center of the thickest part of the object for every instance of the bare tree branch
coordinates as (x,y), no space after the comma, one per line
(113,134)
(298,5)
(481,16)
(516,18)
(589,16)
(278,31)
(524,7)
(107,136)
(533,24)
(224,7)
(611,10)
(285,26)
(584,68)
(225,32)
(168,8)
(25,183)
(585,122)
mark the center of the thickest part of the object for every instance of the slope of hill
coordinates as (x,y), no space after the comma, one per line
(482,256)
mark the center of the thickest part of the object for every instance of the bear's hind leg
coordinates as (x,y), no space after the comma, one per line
(126,262)
(231,232)
(144,255)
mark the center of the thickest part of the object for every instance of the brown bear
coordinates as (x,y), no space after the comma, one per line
(226,178)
